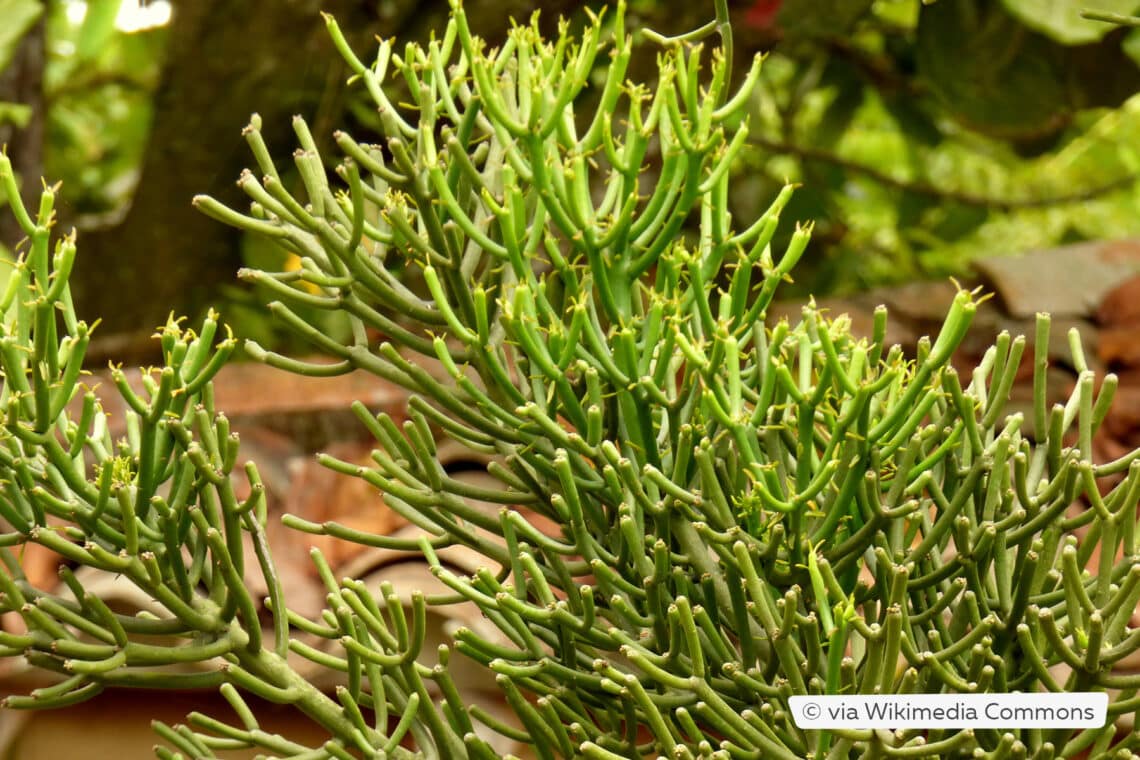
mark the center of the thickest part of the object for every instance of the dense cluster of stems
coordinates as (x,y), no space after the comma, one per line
(745,511)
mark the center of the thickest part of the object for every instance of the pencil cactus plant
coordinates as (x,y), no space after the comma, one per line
(745,512)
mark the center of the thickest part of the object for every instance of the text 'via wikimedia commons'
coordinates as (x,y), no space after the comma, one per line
(894,711)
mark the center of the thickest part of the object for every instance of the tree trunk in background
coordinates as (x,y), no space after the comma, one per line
(22,82)
(225,60)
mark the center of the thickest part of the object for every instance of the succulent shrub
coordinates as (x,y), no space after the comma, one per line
(743,512)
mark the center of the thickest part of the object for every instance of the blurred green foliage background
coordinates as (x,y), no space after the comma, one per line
(924,135)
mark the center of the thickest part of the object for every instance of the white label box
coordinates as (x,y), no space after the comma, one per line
(894,711)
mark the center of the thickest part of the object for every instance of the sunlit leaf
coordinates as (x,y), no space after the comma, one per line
(7,263)
(1061,19)
(1131,45)
(16,18)
(98,26)
(15,113)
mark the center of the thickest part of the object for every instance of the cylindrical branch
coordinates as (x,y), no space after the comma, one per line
(989,527)
(455,192)
(759,509)
(130,509)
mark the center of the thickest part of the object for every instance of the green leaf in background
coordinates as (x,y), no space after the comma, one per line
(912,120)
(18,16)
(15,113)
(100,82)
(821,18)
(98,26)
(1131,45)
(1061,19)
(840,112)
(990,73)
(7,264)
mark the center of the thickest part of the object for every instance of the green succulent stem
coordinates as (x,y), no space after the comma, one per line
(687,512)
